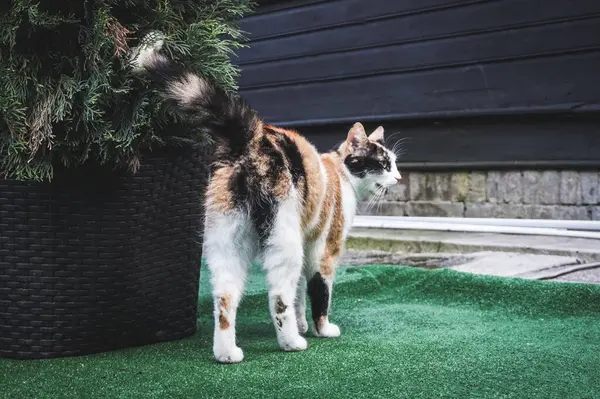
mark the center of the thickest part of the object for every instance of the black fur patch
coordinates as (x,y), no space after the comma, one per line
(295,162)
(261,207)
(368,159)
(262,212)
(318,293)
(276,160)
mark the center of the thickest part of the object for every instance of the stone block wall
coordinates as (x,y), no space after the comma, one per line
(524,194)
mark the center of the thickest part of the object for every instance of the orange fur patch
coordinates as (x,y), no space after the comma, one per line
(328,202)
(218,195)
(223,322)
(334,242)
(310,162)
(283,184)
(224,307)
(314,182)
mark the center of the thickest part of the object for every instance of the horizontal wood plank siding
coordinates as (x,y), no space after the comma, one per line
(324,64)
(484,48)
(467,19)
(491,140)
(329,14)
(512,87)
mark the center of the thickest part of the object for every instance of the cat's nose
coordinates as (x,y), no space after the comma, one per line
(399,179)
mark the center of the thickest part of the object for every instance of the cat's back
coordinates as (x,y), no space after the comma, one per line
(305,169)
(277,165)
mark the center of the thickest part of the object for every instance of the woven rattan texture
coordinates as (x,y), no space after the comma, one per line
(99,260)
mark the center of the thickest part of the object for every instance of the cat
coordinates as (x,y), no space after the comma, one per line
(272,197)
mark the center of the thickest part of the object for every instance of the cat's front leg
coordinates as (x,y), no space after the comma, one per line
(320,290)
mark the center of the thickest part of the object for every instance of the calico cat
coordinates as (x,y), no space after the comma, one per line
(273,197)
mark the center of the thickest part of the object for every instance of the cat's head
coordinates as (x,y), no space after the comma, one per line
(371,164)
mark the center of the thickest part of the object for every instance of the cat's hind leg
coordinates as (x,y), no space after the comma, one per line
(320,291)
(282,260)
(229,250)
(320,272)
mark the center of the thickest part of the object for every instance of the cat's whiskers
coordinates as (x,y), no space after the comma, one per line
(397,145)
(375,199)
(391,136)
(400,153)
(368,206)
(380,200)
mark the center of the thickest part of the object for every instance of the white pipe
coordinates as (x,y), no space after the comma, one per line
(366,222)
(545,223)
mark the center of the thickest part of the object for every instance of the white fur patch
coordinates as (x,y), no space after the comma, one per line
(188,89)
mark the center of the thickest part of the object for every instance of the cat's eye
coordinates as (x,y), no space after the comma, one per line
(385,164)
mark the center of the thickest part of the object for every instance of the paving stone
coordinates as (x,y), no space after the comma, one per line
(512,264)
(572,213)
(435,208)
(511,187)
(494,181)
(417,184)
(570,188)
(441,190)
(589,187)
(531,181)
(477,187)
(459,186)
(543,211)
(494,210)
(385,208)
(488,210)
(549,188)
(560,212)
(541,187)
(596,213)
(399,192)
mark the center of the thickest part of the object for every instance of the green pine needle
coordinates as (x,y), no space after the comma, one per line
(68,94)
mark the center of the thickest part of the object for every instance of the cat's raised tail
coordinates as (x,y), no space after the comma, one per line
(224,115)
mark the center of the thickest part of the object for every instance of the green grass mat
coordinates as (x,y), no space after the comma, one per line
(406,333)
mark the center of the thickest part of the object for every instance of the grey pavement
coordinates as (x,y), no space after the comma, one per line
(531,257)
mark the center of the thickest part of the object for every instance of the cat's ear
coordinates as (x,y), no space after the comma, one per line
(377,135)
(356,135)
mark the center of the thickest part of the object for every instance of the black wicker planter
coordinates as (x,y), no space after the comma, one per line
(99,260)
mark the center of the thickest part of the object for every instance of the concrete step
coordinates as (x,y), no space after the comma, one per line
(420,241)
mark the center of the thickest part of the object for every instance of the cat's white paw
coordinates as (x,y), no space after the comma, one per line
(302,325)
(293,344)
(228,355)
(328,330)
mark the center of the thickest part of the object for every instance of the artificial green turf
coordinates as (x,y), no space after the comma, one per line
(406,333)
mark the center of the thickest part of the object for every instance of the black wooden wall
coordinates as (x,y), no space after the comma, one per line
(477,83)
